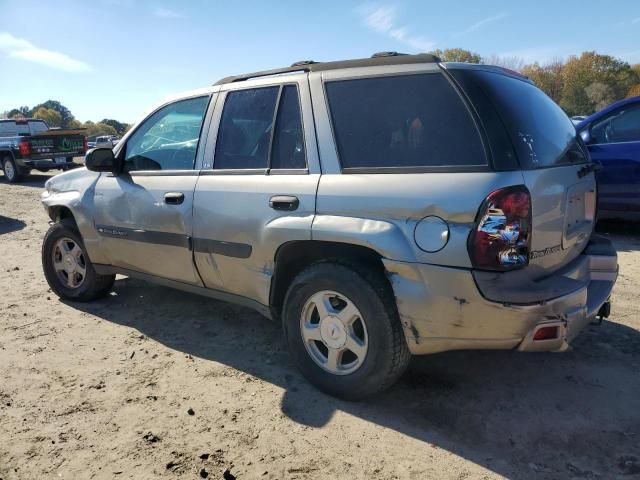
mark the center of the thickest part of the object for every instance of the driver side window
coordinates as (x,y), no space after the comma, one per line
(622,125)
(168,139)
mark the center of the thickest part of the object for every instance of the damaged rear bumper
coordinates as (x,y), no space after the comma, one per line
(451,309)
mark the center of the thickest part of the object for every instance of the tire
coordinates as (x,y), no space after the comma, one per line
(12,173)
(82,287)
(387,354)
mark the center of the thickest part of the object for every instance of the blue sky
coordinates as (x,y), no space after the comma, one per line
(116,58)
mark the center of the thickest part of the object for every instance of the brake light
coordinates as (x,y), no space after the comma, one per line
(501,239)
(25,148)
(85,144)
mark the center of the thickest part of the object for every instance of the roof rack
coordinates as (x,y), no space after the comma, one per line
(377,59)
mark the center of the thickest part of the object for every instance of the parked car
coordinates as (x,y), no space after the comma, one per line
(106,141)
(29,143)
(378,208)
(612,136)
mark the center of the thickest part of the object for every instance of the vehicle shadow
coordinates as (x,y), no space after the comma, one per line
(32,180)
(8,225)
(520,415)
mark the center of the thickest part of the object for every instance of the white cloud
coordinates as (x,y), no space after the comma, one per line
(22,49)
(481,23)
(384,20)
(635,20)
(162,12)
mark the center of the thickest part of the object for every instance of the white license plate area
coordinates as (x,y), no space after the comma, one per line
(579,215)
(60,160)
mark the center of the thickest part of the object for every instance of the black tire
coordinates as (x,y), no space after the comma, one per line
(93,285)
(12,172)
(387,355)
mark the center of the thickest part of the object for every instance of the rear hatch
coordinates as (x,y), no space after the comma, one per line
(555,164)
(57,143)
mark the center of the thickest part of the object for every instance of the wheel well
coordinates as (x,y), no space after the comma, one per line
(293,257)
(58,214)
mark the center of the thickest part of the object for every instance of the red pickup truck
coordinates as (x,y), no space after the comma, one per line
(29,143)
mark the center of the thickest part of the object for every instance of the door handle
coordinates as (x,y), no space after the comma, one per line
(288,203)
(173,198)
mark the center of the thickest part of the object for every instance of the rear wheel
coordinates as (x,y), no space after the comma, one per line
(67,267)
(11,171)
(343,330)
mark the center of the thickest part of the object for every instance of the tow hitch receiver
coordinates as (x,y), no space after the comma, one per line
(604,312)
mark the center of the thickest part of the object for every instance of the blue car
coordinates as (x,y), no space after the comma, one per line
(613,138)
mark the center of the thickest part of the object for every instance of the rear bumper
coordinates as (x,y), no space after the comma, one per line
(444,308)
(46,163)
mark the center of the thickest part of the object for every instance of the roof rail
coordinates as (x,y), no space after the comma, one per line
(387,54)
(378,59)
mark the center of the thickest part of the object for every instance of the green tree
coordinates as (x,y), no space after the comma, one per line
(98,129)
(21,112)
(64,112)
(457,55)
(53,118)
(600,94)
(119,126)
(581,72)
(547,77)
(75,124)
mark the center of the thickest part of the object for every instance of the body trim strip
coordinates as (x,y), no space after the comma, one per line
(200,245)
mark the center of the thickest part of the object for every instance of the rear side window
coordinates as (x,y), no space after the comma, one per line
(540,131)
(37,127)
(402,121)
(247,138)
(288,140)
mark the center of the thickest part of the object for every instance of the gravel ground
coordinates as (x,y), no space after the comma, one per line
(151,382)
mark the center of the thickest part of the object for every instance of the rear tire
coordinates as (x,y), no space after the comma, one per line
(67,267)
(379,354)
(11,171)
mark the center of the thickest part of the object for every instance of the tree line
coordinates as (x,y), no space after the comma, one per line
(57,115)
(581,84)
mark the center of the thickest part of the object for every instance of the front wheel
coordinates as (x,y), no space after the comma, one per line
(67,267)
(343,330)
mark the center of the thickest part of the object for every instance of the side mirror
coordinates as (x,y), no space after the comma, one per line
(586,135)
(102,160)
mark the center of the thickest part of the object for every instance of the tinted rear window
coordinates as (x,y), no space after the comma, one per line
(540,131)
(402,121)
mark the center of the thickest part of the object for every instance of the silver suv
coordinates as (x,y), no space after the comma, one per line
(379,208)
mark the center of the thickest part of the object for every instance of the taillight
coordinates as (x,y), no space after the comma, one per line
(25,148)
(501,239)
(85,144)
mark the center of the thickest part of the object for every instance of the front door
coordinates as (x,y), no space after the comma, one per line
(257,189)
(144,215)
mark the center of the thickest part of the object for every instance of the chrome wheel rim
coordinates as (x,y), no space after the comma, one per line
(334,332)
(69,263)
(9,171)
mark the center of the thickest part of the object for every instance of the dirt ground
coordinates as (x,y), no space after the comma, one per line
(155,383)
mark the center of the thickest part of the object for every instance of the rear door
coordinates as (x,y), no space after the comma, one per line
(257,188)
(614,142)
(144,215)
(556,167)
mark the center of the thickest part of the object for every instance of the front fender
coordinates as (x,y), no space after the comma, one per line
(74,190)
